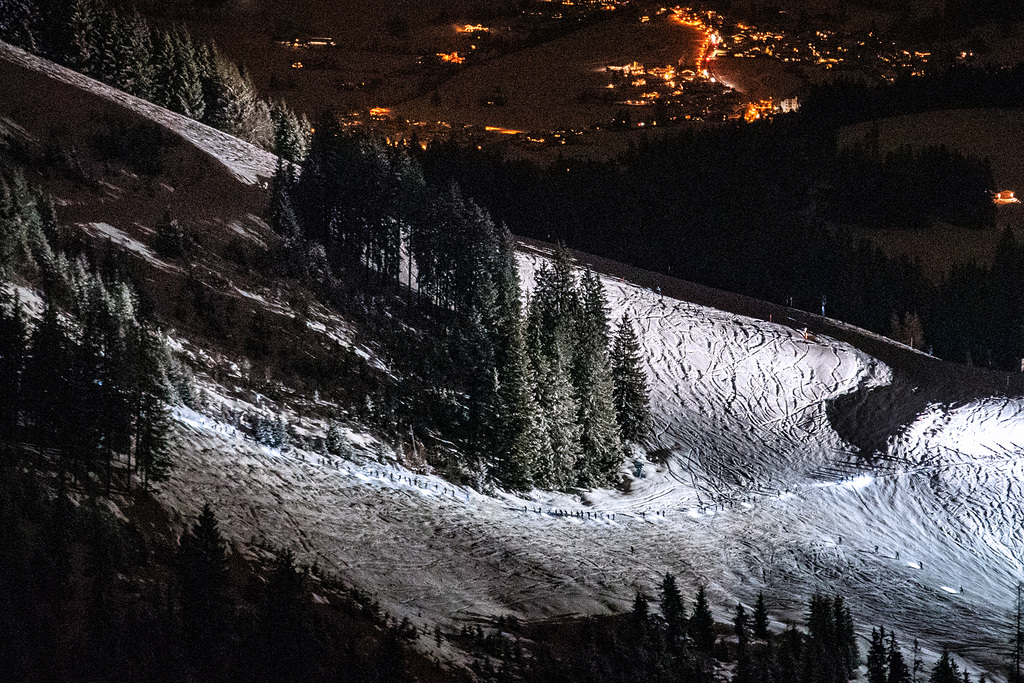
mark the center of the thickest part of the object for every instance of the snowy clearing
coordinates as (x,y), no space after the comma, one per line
(747,488)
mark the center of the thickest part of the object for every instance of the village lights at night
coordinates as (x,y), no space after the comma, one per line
(693,87)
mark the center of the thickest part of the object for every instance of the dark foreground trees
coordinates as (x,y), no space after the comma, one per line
(85,595)
(86,381)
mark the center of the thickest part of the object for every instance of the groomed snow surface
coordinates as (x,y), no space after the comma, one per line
(746,488)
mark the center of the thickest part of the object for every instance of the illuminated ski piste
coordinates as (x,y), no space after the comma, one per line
(751,490)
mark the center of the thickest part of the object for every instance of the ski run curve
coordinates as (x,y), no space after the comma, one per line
(746,488)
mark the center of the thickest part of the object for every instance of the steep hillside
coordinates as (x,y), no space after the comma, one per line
(782,462)
(121,161)
(746,487)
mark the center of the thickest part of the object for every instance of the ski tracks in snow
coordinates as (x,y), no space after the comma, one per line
(751,490)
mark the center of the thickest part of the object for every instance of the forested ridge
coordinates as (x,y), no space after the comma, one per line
(167,67)
(123,600)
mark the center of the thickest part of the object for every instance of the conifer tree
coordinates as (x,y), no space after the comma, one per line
(76,32)
(917,664)
(202,588)
(631,393)
(20,222)
(47,385)
(507,285)
(760,625)
(641,608)
(152,420)
(280,212)
(741,624)
(672,607)
(294,260)
(830,654)
(878,660)
(101,379)
(103,65)
(560,451)
(702,623)
(602,449)
(593,330)
(170,238)
(554,309)
(518,433)
(231,103)
(41,239)
(284,621)
(945,670)
(12,232)
(183,88)
(13,349)
(846,638)
(291,133)
(334,442)
(281,437)
(133,56)
(821,654)
(898,671)
(744,665)
(163,67)
(558,299)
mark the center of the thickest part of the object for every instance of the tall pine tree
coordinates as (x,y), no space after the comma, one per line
(898,670)
(702,623)
(602,448)
(672,608)
(945,670)
(13,349)
(47,383)
(152,413)
(556,399)
(202,589)
(878,659)
(519,436)
(630,389)
(760,625)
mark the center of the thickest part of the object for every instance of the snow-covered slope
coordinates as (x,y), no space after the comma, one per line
(747,486)
(748,489)
(245,162)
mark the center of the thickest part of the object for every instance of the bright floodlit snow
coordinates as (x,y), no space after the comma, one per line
(752,490)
